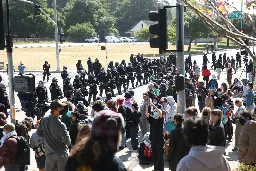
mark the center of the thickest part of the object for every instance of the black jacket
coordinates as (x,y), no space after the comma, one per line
(73,131)
(178,147)
(105,163)
(217,135)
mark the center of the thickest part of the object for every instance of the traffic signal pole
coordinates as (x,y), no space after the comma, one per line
(180,61)
(56,35)
(10,65)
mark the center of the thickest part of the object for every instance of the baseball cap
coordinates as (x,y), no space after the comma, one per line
(9,126)
(57,104)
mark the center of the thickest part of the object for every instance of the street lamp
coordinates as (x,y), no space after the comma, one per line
(55,22)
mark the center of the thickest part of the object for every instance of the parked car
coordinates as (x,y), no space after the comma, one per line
(125,39)
(92,39)
(112,39)
(134,39)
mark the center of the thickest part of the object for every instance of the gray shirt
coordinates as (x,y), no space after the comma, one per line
(55,134)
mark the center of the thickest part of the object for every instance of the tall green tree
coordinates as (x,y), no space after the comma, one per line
(83,30)
(130,12)
(194,28)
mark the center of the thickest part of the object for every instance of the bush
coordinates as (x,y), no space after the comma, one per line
(83,30)
(243,167)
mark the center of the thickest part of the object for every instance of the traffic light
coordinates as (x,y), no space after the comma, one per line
(159,31)
(180,82)
(37,9)
(62,38)
(2,40)
(242,31)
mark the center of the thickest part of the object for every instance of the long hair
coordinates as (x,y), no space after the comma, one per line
(87,151)
(84,131)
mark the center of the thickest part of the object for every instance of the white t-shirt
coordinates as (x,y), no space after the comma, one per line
(240,110)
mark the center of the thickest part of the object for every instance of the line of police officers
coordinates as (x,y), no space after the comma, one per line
(137,72)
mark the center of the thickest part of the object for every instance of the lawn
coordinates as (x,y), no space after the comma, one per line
(34,58)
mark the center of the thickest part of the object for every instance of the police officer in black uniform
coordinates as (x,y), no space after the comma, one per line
(138,71)
(97,67)
(90,66)
(145,68)
(130,77)
(79,66)
(4,96)
(238,60)
(205,60)
(77,82)
(64,73)
(68,89)
(104,81)
(41,93)
(122,79)
(92,82)
(55,90)
(112,81)
(213,61)
(46,69)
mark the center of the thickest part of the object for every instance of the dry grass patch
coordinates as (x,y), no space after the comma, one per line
(34,58)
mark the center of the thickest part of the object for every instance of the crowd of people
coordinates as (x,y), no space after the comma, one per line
(69,138)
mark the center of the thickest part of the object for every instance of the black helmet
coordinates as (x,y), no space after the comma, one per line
(54,80)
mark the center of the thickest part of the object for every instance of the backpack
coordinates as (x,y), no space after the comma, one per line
(23,155)
(145,154)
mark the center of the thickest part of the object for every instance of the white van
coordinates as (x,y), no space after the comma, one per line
(112,39)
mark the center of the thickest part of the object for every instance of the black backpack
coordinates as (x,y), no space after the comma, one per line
(23,155)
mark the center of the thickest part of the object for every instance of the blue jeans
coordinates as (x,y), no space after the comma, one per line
(56,161)
(201,105)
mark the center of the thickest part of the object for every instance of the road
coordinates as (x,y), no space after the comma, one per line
(125,154)
(40,45)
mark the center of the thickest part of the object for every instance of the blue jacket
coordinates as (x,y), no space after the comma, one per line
(21,69)
(249,98)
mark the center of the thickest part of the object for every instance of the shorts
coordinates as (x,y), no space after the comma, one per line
(40,161)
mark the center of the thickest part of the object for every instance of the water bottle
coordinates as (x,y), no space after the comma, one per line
(134,163)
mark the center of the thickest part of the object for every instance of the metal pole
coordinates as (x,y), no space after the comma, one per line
(56,35)
(241,20)
(106,54)
(10,66)
(180,54)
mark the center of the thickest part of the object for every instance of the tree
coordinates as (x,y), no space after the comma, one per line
(94,12)
(194,28)
(143,34)
(215,14)
(130,12)
(83,30)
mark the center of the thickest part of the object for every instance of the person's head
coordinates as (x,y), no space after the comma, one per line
(238,102)
(245,116)
(216,115)
(229,65)
(3,119)
(135,106)
(204,67)
(41,84)
(120,101)
(250,85)
(150,86)
(106,135)
(155,100)
(145,96)
(206,113)
(196,131)
(188,113)
(9,127)
(84,131)
(98,105)
(28,122)
(163,101)
(224,87)
(219,91)
(111,104)
(56,108)
(109,95)
(178,119)
(127,95)
(194,111)
(74,116)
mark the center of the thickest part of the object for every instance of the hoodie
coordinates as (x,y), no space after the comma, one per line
(247,148)
(204,158)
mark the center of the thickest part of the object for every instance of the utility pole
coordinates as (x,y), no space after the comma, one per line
(180,61)
(56,35)
(9,45)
